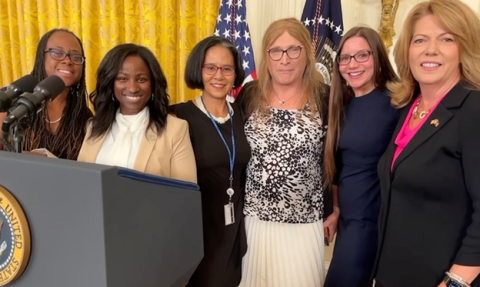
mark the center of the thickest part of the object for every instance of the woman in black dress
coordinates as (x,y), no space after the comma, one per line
(221,153)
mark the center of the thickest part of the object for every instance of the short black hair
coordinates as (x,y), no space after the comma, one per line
(101,97)
(193,68)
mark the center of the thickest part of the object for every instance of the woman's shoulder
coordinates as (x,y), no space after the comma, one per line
(180,110)
(175,126)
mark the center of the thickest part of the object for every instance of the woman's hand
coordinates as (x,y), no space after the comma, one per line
(331,224)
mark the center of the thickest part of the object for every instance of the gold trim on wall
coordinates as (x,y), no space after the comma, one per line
(387,28)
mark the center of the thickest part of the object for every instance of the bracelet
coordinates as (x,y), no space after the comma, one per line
(457,279)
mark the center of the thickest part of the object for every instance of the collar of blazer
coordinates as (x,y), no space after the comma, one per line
(434,123)
(144,151)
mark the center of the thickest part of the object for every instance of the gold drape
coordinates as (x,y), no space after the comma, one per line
(170,28)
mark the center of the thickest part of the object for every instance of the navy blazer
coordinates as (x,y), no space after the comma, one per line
(430,213)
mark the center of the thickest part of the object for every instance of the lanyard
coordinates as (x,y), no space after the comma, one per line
(231,155)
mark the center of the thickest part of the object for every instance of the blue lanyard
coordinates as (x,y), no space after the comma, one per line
(231,156)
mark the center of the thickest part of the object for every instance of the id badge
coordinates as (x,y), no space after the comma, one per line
(229,214)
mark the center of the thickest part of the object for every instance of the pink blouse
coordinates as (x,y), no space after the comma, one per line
(406,133)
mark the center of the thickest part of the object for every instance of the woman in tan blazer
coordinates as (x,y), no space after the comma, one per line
(131,127)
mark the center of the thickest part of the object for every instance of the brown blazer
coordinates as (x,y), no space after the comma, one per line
(169,154)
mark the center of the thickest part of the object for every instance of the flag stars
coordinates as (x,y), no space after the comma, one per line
(338,29)
(246,35)
(306,22)
(239,4)
(237,35)
(230,3)
(321,19)
(219,18)
(226,34)
(217,32)
(245,65)
(228,18)
(246,50)
(238,19)
(327,22)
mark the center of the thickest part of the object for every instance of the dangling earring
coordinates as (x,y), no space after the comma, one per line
(113,98)
(380,69)
(152,97)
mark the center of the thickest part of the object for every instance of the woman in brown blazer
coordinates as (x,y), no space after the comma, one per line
(131,127)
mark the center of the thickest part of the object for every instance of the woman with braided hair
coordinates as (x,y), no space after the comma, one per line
(60,126)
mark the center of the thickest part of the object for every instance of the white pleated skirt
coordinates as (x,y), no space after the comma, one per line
(283,254)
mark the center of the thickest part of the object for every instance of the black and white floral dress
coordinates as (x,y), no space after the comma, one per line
(283,200)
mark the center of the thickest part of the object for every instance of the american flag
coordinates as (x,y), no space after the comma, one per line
(323,18)
(232,24)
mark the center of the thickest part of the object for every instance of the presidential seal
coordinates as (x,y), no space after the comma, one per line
(14,238)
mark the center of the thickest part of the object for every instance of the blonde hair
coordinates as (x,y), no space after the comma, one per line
(458,19)
(312,79)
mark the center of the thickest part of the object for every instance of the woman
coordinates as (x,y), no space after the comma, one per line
(429,230)
(131,127)
(284,194)
(361,123)
(216,129)
(60,125)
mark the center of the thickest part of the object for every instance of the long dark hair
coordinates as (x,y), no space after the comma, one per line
(341,94)
(107,72)
(69,136)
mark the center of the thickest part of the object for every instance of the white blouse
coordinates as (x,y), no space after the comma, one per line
(122,142)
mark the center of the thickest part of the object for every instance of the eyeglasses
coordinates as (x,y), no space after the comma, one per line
(211,69)
(59,55)
(293,53)
(360,57)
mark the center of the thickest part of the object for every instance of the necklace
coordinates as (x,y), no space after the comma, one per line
(220,120)
(55,121)
(285,101)
(420,115)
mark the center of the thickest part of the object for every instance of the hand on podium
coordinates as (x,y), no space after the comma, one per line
(40,152)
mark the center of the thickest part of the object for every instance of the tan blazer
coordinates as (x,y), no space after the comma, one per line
(170,154)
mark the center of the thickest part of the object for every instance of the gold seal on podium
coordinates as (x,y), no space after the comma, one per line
(15,241)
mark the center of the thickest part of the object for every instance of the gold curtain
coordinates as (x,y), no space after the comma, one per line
(170,28)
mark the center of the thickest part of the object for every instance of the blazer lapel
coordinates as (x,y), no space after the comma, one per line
(435,122)
(145,150)
(94,145)
(391,147)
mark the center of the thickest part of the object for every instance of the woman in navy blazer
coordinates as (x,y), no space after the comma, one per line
(429,224)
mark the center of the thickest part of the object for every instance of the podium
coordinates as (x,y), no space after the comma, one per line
(100,226)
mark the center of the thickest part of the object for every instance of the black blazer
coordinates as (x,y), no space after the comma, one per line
(430,214)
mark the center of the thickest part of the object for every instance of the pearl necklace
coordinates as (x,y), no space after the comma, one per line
(220,120)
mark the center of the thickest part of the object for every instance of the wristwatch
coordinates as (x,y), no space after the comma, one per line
(451,282)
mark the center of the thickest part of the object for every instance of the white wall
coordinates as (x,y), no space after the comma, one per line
(260,13)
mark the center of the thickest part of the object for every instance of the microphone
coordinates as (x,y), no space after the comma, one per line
(31,103)
(23,85)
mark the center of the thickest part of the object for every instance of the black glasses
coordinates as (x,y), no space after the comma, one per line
(293,52)
(360,57)
(211,69)
(59,55)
